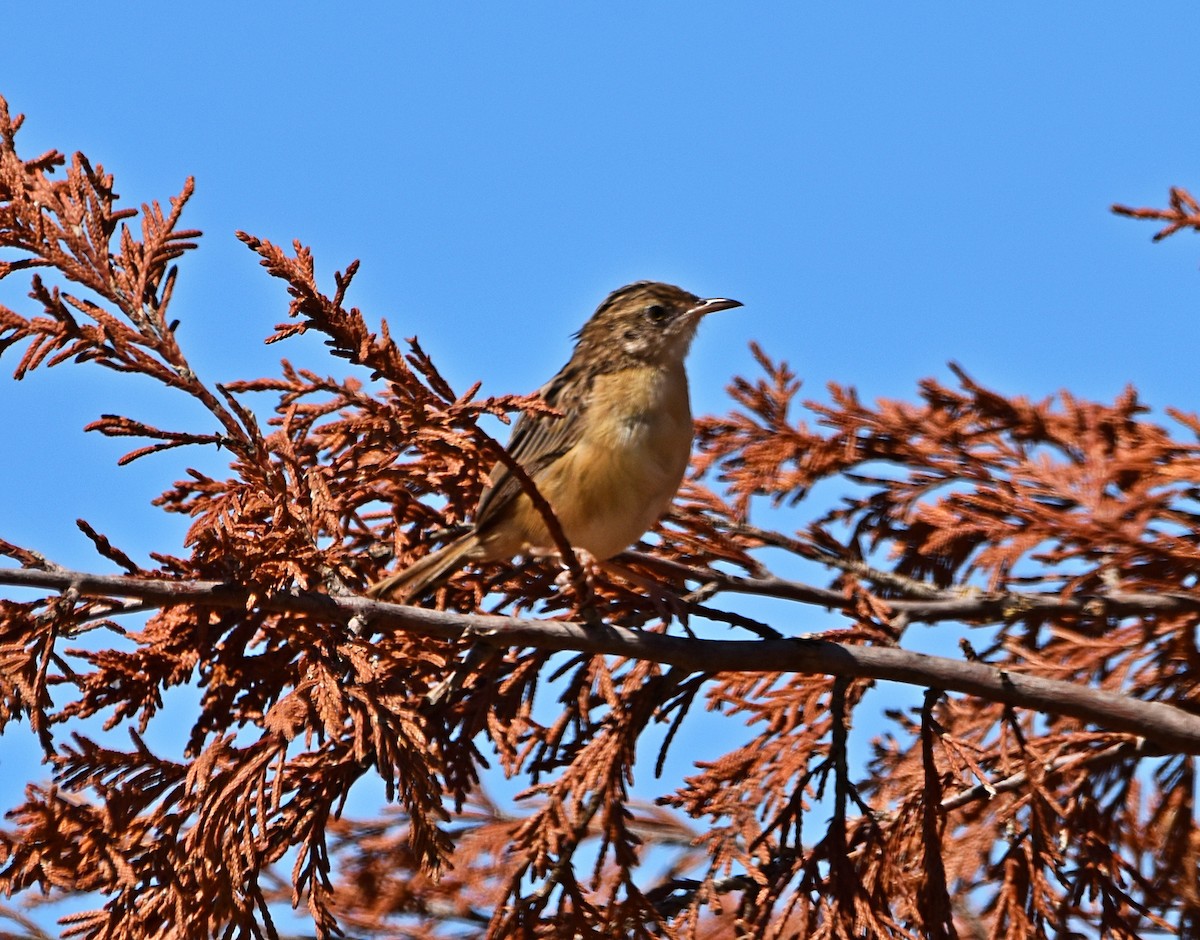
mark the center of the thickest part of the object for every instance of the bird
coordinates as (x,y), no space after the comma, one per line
(613,461)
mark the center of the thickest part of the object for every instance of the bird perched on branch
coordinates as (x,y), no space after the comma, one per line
(610,466)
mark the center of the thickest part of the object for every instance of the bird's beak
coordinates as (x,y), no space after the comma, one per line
(713,304)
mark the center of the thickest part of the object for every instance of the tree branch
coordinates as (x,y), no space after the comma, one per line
(938,605)
(1169,727)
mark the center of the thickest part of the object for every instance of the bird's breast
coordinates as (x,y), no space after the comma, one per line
(629,461)
(642,412)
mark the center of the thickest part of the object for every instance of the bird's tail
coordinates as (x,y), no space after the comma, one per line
(425,572)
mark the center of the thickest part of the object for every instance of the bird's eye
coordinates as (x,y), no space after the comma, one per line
(656,313)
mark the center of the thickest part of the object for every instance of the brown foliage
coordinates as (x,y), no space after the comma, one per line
(1055,797)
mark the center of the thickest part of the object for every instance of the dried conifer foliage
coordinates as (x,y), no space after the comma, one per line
(1044,783)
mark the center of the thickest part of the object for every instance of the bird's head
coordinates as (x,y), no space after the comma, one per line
(647,321)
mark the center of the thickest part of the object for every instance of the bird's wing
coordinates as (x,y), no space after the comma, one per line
(538,440)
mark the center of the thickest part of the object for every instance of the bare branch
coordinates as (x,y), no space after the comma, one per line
(1169,727)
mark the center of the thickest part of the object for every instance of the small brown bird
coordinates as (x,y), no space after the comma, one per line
(611,464)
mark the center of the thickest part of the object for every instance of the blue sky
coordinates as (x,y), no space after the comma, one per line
(885,187)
